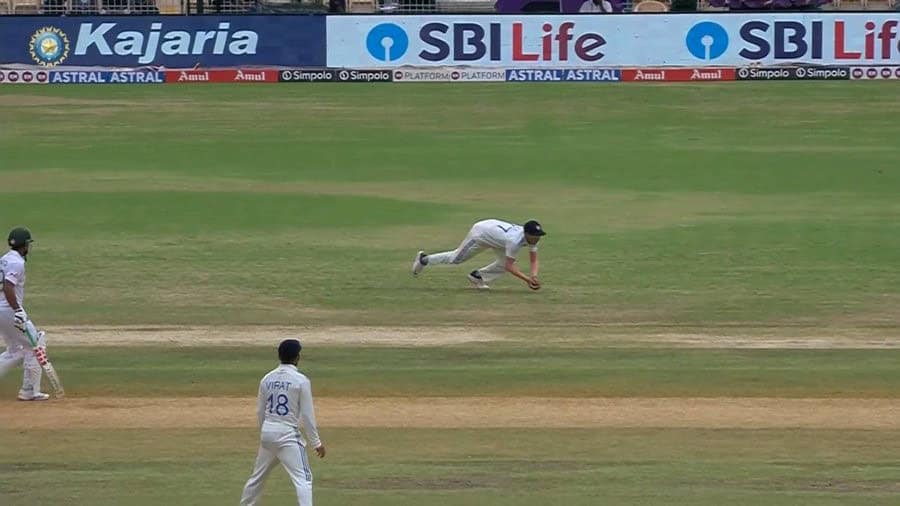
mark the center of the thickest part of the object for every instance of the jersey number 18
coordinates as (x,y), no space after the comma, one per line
(277,405)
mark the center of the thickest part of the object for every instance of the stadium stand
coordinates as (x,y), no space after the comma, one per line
(798,5)
(86,7)
(25,7)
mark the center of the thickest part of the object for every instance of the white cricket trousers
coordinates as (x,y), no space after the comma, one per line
(18,350)
(280,446)
(468,248)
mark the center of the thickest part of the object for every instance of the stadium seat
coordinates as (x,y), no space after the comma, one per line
(704,6)
(114,7)
(144,7)
(467,6)
(406,6)
(169,6)
(128,7)
(25,7)
(361,6)
(849,5)
(650,6)
(84,7)
(54,7)
(868,5)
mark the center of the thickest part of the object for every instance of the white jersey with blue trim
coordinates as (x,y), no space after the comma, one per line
(501,235)
(285,404)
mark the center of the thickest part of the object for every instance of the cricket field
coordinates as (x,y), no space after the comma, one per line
(719,321)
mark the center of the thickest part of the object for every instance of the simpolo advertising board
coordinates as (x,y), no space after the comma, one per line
(829,73)
(555,41)
(308,75)
(170,41)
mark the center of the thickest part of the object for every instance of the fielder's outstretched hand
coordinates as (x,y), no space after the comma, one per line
(534,284)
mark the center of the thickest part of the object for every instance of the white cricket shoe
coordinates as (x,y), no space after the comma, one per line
(418,265)
(40,396)
(477,281)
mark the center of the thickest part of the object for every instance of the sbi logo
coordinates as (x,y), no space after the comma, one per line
(707,40)
(471,42)
(387,42)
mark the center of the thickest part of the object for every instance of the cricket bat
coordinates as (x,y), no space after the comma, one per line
(41,355)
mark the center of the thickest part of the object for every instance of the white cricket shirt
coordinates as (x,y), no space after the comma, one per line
(498,234)
(285,402)
(12,269)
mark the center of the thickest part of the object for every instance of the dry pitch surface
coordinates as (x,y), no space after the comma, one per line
(452,412)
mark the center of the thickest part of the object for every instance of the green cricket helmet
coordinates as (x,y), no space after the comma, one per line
(18,237)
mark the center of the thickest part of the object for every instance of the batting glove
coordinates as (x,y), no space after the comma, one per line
(20,317)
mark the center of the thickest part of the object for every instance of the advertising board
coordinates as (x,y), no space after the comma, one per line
(589,41)
(170,41)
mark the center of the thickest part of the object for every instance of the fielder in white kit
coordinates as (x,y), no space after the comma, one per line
(505,239)
(13,319)
(284,403)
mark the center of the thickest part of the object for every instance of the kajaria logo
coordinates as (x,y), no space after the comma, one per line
(108,39)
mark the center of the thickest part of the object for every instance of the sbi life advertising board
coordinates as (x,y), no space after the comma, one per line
(614,40)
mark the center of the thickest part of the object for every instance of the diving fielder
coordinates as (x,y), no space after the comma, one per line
(285,401)
(13,318)
(505,239)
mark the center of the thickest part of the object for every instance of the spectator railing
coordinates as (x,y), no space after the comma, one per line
(254,6)
(80,7)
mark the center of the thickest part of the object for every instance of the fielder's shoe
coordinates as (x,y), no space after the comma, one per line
(476,280)
(419,263)
(40,396)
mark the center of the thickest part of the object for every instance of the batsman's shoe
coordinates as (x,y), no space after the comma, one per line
(419,263)
(477,281)
(40,396)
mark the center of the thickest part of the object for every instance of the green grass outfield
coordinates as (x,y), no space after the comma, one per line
(735,241)
(770,204)
(464,467)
